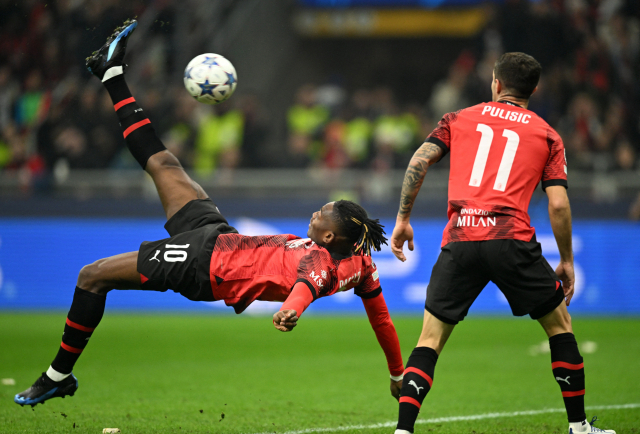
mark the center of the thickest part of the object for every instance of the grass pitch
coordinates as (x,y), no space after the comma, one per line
(236,374)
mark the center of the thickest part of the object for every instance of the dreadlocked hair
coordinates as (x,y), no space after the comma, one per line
(361,231)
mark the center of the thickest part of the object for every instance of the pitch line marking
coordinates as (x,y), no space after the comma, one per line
(457,418)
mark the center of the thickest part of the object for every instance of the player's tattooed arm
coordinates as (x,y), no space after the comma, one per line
(424,157)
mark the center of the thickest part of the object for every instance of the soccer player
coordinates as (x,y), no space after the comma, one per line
(500,151)
(205,259)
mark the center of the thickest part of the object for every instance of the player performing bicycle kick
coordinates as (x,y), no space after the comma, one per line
(205,259)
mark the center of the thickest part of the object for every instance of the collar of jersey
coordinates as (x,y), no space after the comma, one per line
(511,103)
(339,257)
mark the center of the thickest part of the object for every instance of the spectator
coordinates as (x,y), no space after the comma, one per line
(218,139)
(306,120)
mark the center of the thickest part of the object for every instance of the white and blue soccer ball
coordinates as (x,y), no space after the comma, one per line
(210,78)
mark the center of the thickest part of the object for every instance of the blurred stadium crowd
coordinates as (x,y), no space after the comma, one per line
(54,117)
(590,92)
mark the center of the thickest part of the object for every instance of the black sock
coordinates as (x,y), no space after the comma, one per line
(84,316)
(568,370)
(139,135)
(418,377)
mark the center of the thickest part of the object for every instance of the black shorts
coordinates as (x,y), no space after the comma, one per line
(517,268)
(181,262)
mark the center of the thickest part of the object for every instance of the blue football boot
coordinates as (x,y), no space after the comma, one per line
(111,54)
(45,388)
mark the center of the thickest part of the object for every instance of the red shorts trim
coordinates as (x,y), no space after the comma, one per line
(409,400)
(135,126)
(566,365)
(420,373)
(70,349)
(79,327)
(572,394)
(123,103)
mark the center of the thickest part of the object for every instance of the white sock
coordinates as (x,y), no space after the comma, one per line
(112,72)
(402,431)
(579,426)
(55,375)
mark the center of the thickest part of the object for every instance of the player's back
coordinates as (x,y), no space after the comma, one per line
(499,154)
(247,268)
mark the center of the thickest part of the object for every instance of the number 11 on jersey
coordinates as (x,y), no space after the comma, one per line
(483,153)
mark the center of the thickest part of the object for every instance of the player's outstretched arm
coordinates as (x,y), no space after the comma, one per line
(387,337)
(424,157)
(560,217)
(297,302)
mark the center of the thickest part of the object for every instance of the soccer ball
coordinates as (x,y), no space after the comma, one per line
(210,78)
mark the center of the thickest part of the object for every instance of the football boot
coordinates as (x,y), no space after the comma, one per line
(45,388)
(111,54)
(587,427)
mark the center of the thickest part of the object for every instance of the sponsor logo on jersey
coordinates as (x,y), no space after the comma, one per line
(507,115)
(316,278)
(475,211)
(355,279)
(476,217)
(474,222)
(375,275)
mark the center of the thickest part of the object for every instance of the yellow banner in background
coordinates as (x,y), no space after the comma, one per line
(390,23)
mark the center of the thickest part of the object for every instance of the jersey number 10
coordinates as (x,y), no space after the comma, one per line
(483,153)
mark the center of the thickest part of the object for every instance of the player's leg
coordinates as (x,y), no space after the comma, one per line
(435,333)
(457,268)
(174,186)
(557,322)
(532,287)
(87,308)
(566,361)
(568,368)
(418,374)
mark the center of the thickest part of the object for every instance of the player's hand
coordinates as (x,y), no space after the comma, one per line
(567,275)
(285,320)
(401,233)
(395,387)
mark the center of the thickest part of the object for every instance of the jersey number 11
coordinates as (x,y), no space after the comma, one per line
(483,153)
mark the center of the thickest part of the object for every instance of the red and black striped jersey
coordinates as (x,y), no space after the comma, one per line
(244,269)
(499,154)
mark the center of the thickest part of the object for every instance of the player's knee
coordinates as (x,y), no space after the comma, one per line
(90,279)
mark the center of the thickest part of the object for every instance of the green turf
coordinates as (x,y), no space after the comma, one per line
(175,374)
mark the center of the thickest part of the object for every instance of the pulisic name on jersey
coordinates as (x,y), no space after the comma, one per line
(507,115)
